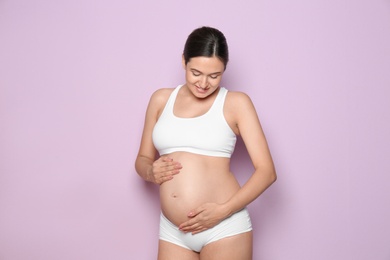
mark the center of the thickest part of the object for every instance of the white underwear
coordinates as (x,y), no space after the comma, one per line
(237,223)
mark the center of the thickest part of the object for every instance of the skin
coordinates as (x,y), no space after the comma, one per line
(196,191)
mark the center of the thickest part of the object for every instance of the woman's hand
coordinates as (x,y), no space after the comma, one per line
(163,169)
(204,217)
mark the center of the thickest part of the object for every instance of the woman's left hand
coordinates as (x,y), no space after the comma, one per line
(204,217)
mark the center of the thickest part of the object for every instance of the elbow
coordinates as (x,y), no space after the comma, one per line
(268,174)
(137,166)
(272,175)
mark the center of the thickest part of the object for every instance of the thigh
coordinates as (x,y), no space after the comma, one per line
(169,251)
(237,247)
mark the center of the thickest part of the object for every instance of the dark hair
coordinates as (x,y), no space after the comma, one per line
(207,42)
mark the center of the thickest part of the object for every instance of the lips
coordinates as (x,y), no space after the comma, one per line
(201,90)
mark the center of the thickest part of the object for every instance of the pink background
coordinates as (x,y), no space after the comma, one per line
(75,79)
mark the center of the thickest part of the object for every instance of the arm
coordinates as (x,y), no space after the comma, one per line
(146,165)
(242,114)
(250,129)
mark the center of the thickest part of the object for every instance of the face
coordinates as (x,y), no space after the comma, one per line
(203,75)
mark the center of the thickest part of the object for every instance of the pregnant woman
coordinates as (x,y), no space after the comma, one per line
(187,142)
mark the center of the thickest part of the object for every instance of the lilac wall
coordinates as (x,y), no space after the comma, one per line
(75,79)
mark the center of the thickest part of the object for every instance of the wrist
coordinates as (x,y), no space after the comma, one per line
(226,210)
(149,174)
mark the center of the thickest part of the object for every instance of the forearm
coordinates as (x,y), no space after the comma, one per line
(260,180)
(143,166)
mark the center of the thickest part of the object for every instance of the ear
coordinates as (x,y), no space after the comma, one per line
(183,61)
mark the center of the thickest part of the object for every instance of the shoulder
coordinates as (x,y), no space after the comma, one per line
(237,95)
(160,97)
(238,106)
(238,100)
(158,100)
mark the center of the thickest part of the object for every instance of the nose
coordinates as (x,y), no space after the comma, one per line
(203,82)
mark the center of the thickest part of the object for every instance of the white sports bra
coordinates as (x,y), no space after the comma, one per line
(208,134)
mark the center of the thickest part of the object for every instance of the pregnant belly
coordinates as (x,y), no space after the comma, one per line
(202,179)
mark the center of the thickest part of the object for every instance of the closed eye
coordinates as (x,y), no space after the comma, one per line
(197,73)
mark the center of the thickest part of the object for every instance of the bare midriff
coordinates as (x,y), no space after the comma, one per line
(202,179)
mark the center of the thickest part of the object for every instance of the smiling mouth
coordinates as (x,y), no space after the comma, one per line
(203,90)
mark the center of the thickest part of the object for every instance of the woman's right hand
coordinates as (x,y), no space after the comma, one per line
(163,169)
